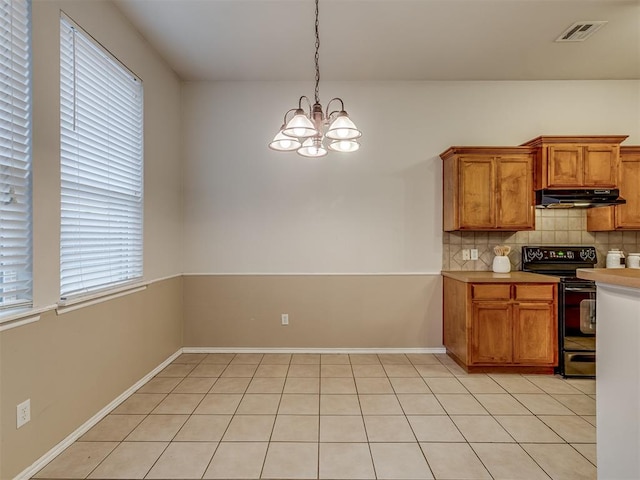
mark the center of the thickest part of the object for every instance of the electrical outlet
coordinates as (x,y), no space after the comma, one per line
(474,254)
(465,254)
(23,413)
(285,319)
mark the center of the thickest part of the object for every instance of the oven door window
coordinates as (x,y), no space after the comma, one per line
(579,319)
(588,316)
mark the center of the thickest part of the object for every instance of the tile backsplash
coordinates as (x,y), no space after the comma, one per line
(553,227)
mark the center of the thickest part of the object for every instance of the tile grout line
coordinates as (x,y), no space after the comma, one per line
(275,418)
(319,415)
(174,436)
(364,424)
(411,426)
(215,450)
(187,420)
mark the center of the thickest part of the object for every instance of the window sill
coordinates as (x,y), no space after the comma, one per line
(22,316)
(76,303)
(26,315)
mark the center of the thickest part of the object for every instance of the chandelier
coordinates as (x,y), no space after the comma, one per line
(305,132)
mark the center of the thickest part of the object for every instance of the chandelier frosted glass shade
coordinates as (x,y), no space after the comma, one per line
(284,143)
(342,128)
(312,147)
(300,126)
(344,146)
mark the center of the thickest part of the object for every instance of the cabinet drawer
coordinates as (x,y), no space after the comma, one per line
(534,292)
(491,291)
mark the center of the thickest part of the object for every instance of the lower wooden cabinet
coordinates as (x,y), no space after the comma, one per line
(534,325)
(501,327)
(491,333)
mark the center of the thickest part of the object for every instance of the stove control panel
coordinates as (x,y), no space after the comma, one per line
(555,254)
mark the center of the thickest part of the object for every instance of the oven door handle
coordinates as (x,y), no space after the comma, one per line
(581,357)
(580,289)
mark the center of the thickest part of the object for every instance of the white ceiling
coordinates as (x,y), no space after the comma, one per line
(390,39)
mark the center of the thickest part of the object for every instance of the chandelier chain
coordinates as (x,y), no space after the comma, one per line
(317,57)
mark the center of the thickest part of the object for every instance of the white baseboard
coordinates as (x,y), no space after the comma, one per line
(432,350)
(86,426)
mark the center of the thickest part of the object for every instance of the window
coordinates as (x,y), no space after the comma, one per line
(101,166)
(15,154)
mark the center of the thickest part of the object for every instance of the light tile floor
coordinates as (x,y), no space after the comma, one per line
(306,416)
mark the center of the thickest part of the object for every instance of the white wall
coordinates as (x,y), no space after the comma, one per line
(162,176)
(251,210)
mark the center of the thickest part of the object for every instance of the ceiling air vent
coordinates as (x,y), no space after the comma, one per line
(580,31)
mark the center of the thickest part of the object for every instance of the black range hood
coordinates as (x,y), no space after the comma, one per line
(578,198)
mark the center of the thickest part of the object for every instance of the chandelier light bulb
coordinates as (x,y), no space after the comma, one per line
(299,132)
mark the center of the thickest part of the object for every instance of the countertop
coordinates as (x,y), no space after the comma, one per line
(511,277)
(625,277)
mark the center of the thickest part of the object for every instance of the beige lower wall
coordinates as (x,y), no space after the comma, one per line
(72,365)
(325,311)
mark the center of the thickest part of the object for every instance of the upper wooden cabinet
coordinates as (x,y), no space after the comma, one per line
(627,216)
(576,162)
(488,188)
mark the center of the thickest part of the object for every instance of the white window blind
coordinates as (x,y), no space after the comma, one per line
(15,154)
(101,166)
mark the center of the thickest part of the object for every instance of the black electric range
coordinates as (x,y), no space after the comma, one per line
(576,303)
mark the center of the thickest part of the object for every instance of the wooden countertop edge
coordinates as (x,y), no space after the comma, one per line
(624,277)
(491,277)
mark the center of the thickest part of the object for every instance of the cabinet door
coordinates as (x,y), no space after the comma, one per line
(535,333)
(514,196)
(492,333)
(565,166)
(628,215)
(476,193)
(600,166)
